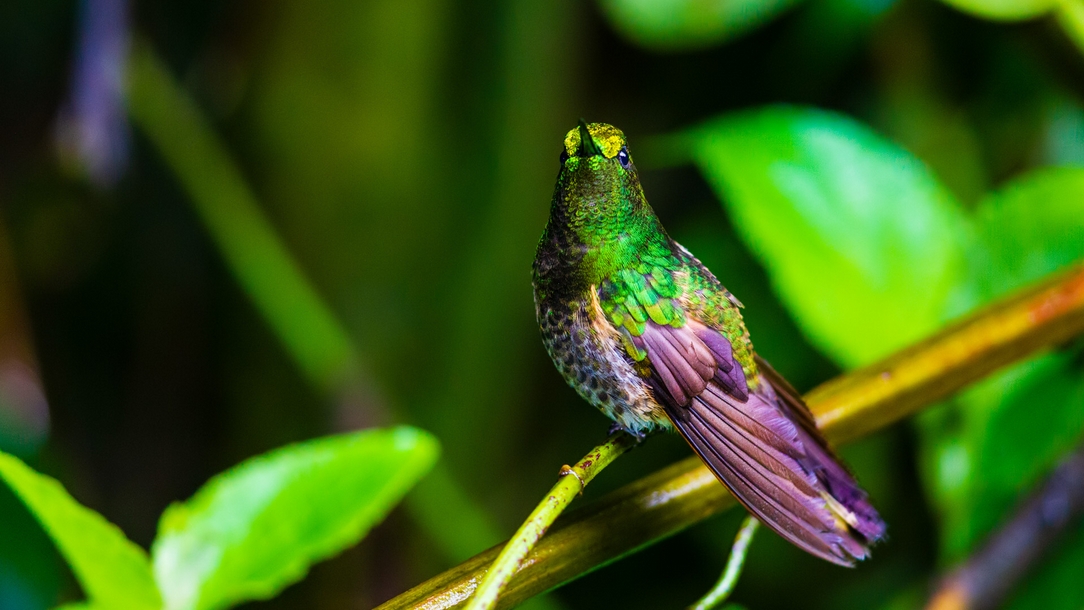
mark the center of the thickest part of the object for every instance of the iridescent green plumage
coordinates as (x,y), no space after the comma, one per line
(604,246)
(643,331)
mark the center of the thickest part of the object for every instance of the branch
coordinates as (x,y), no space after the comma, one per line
(989,575)
(543,516)
(853,405)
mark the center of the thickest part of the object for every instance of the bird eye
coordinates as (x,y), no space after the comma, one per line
(623,157)
(564,156)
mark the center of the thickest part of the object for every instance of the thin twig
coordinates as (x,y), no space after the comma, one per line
(989,575)
(722,589)
(559,497)
(684,493)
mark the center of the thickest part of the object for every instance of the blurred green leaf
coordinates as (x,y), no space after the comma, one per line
(861,241)
(113,572)
(1016,447)
(1004,10)
(1004,435)
(1071,17)
(257,528)
(685,24)
(1030,228)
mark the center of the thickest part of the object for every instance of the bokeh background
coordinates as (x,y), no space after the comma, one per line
(320,216)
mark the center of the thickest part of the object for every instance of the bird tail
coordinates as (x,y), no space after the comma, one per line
(841,484)
(768,452)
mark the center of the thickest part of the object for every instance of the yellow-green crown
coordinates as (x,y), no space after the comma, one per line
(609,139)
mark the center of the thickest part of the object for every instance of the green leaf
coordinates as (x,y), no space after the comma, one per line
(1003,436)
(113,572)
(1071,17)
(685,24)
(257,527)
(862,243)
(1030,228)
(1004,10)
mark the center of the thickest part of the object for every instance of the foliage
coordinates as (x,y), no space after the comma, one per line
(114,572)
(849,226)
(689,23)
(682,24)
(868,250)
(246,534)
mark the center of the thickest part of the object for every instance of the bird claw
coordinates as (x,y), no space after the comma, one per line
(617,427)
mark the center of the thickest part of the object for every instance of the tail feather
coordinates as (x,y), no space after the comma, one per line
(761,441)
(822,460)
(771,482)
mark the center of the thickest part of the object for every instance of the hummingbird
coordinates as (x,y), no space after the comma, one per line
(643,331)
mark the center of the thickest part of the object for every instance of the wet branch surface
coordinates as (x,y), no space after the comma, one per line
(985,580)
(846,408)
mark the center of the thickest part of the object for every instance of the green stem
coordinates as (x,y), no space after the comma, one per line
(559,497)
(734,564)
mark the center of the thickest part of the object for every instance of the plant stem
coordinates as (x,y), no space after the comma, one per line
(734,564)
(559,497)
(853,405)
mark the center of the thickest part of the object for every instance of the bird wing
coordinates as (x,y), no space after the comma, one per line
(766,450)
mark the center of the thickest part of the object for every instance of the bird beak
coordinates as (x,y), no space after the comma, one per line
(588,146)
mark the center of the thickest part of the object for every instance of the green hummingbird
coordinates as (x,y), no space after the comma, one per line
(644,331)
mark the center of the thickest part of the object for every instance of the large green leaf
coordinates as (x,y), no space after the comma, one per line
(682,24)
(256,528)
(113,571)
(861,241)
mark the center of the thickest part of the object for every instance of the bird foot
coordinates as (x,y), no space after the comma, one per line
(617,427)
